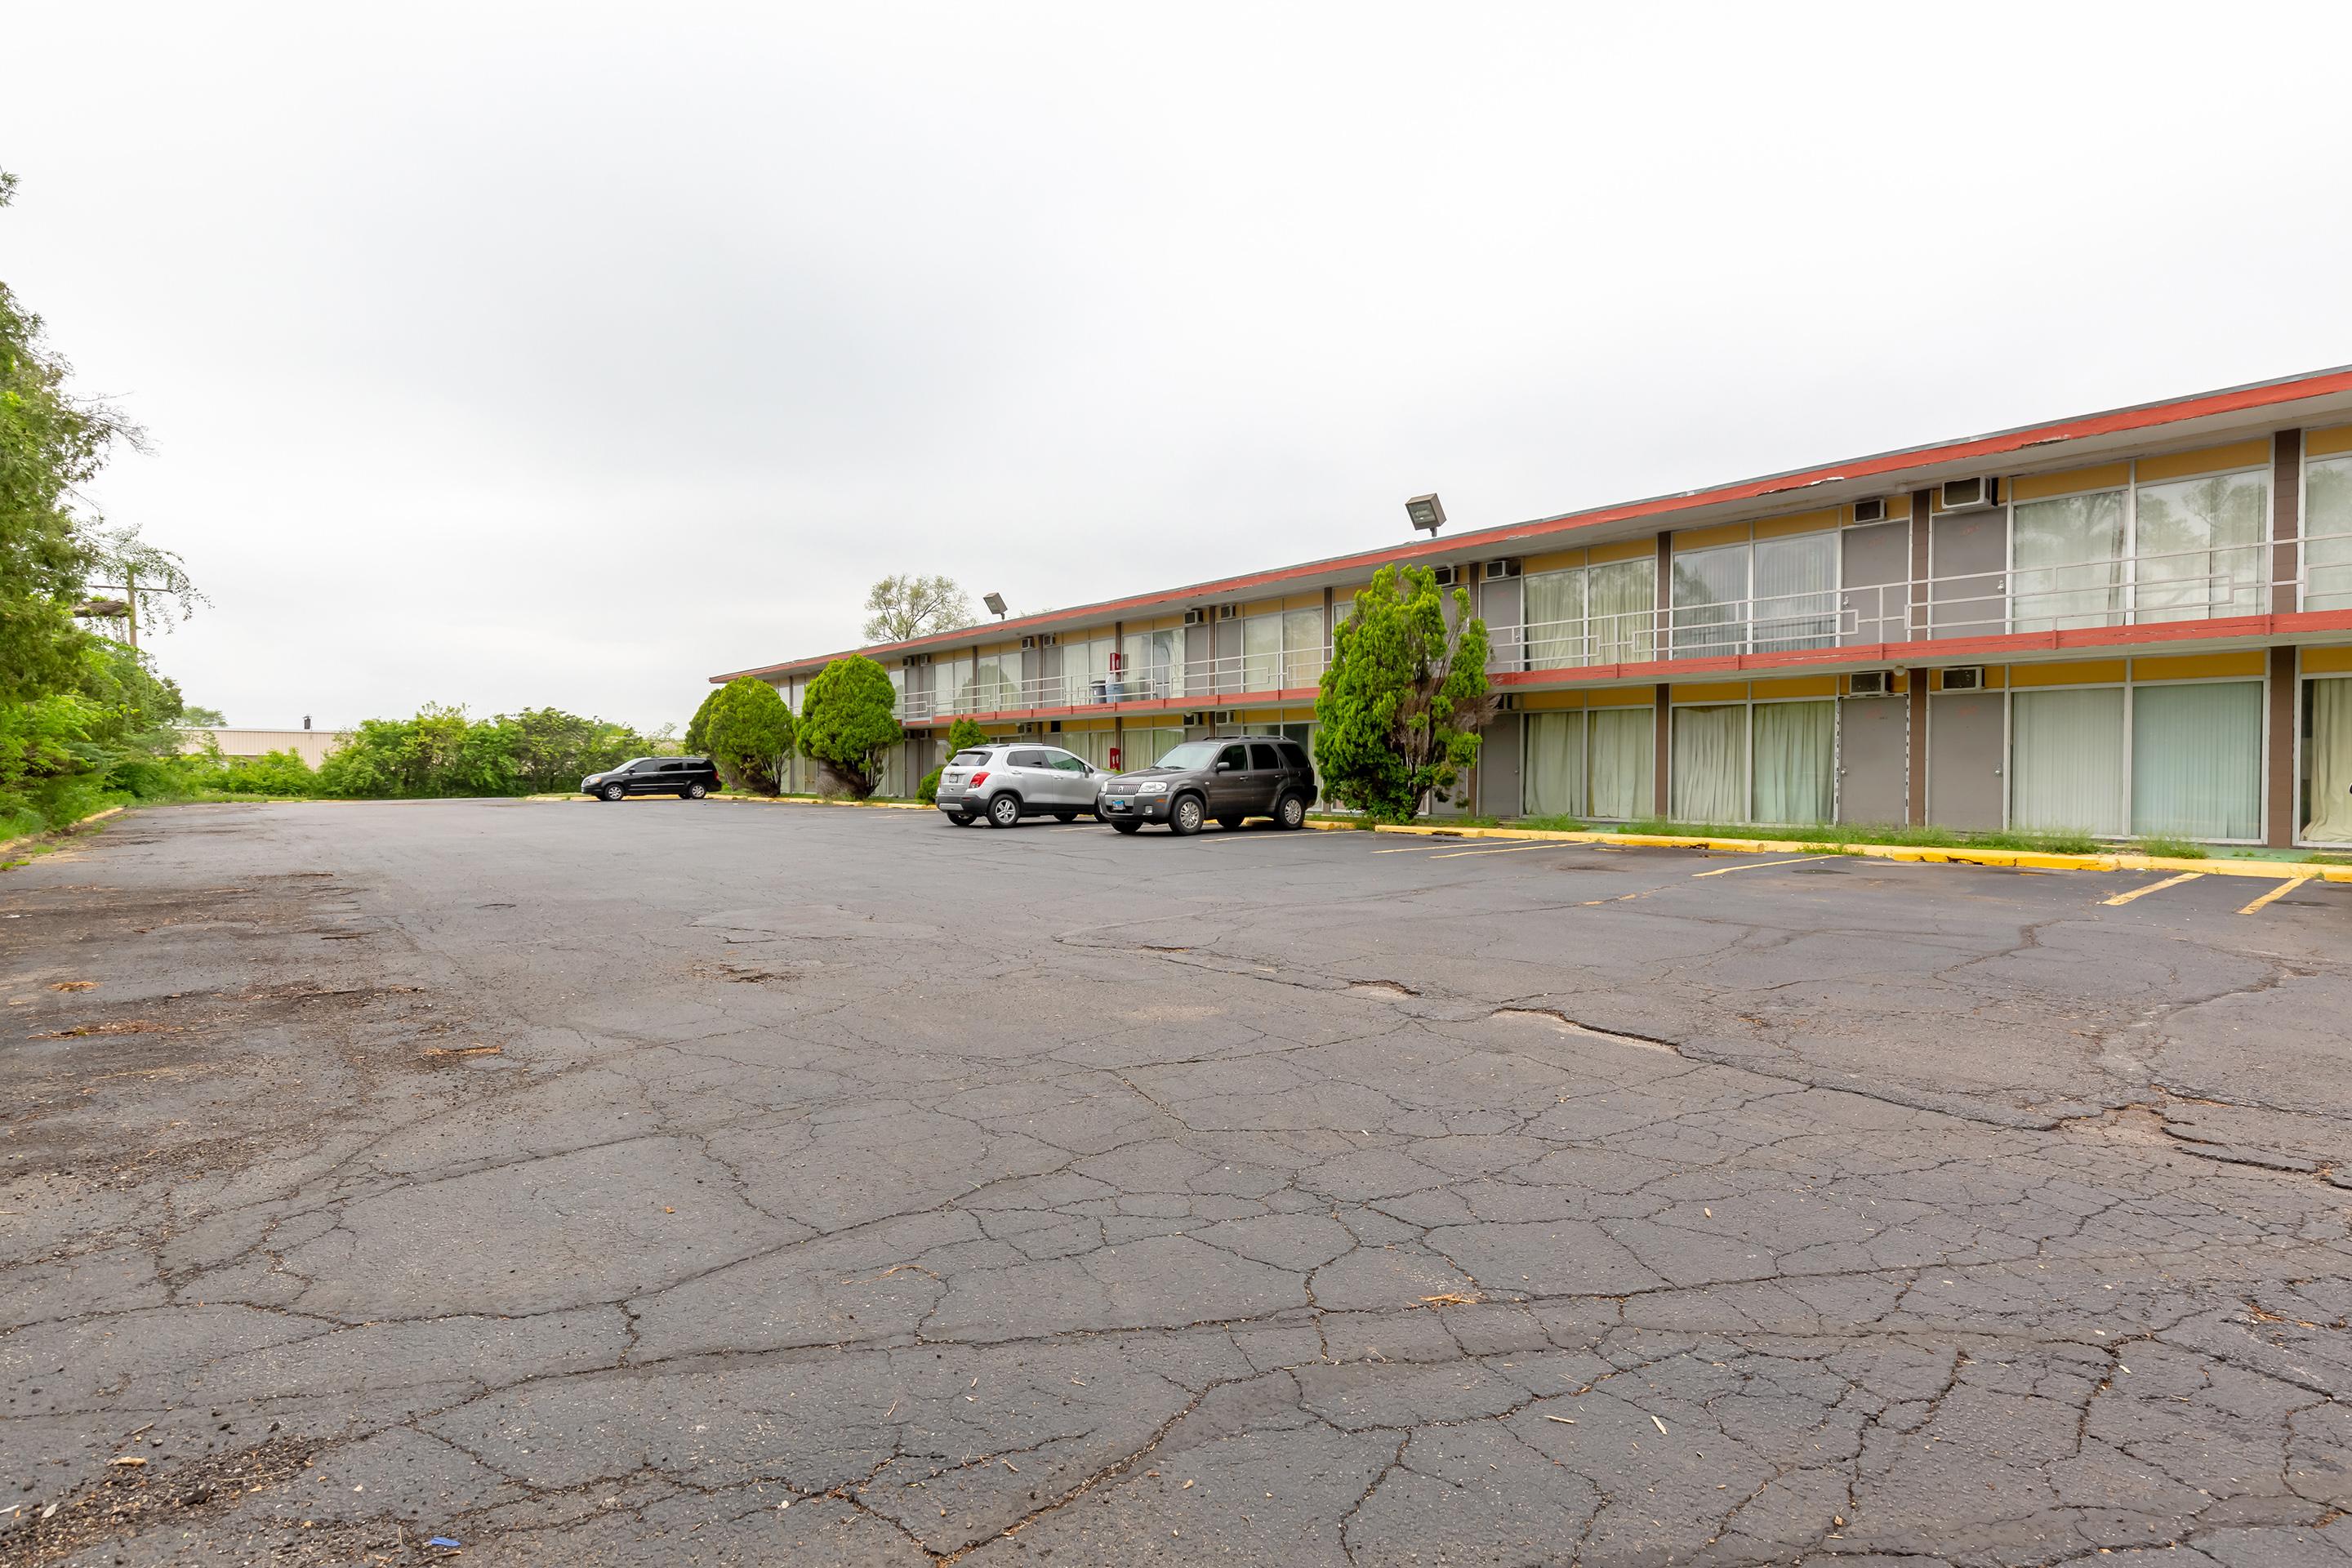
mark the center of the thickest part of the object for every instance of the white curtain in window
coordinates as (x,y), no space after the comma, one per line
(1709,782)
(1261,653)
(950,683)
(1555,764)
(1796,762)
(2327,753)
(2067,558)
(2197,760)
(2197,546)
(2066,759)
(2327,534)
(1302,649)
(1622,751)
(1796,591)
(1555,614)
(1622,599)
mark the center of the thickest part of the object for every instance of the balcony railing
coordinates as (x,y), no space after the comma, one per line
(2123,591)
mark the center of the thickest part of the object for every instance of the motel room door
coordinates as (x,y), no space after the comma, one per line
(1967,744)
(1873,759)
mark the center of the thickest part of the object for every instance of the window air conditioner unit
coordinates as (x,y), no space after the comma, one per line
(1028,642)
(1228,612)
(1508,703)
(1049,639)
(1195,617)
(1221,716)
(1968,495)
(1506,568)
(1192,719)
(1871,510)
(1965,678)
(1447,575)
(1872,683)
(915,661)
(1055,728)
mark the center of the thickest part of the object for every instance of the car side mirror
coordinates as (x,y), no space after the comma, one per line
(1225,767)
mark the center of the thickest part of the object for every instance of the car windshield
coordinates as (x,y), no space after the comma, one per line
(967,759)
(1192,754)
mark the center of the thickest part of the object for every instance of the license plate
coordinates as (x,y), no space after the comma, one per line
(1120,805)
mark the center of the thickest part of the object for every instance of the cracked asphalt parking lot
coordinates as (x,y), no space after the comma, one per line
(587,1183)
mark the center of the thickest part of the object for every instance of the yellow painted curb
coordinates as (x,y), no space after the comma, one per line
(2029,860)
(54,832)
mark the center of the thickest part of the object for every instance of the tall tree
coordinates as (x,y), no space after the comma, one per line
(698,729)
(901,609)
(1398,716)
(50,443)
(847,722)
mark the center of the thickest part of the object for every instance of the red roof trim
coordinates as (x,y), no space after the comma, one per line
(2201,406)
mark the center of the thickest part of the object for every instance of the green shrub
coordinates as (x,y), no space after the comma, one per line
(275,773)
(927,792)
(2174,848)
(1398,716)
(846,722)
(751,734)
(964,735)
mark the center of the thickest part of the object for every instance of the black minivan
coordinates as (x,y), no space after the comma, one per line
(689,778)
(1229,781)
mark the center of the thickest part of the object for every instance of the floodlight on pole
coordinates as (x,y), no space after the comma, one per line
(1426,512)
(995,603)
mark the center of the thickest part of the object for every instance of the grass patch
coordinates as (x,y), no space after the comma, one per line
(1831,836)
(2166,844)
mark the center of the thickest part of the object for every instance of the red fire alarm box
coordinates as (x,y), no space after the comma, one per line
(1114,759)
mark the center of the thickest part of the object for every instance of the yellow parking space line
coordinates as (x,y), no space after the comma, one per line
(2281,891)
(1515,850)
(1759,864)
(2154,888)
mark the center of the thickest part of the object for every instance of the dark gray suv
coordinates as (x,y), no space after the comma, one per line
(1227,781)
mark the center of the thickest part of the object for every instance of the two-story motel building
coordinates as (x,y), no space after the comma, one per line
(2133,622)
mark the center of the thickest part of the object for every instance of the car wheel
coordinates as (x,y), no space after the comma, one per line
(1290,811)
(1184,816)
(693,792)
(1004,810)
(961,818)
(612,792)
(1065,816)
(1126,828)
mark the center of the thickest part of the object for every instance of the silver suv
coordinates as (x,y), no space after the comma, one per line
(1007,782)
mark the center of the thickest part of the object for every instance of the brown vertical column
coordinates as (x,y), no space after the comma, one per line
(1922,560)
(1917,751)
(2281,805)
(1661,781)
(2286,523)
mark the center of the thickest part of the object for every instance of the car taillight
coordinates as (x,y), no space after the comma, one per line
(976,780)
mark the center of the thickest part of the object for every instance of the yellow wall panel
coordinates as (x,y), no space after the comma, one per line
(1622,697)
(2327,443)
(2254,453)
(1540,701)
(1702,538)
(1709,692)
(2084,672)
(2201,666)
(1263,607)
(2106,477)
(1557,560)
(2327,661)
(1622,550)
(1899,510)
(1304,601)
(1807,523)
(1801,686)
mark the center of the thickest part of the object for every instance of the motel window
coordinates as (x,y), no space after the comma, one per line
(2327,534)
(1710,593)
(1796,593)
(1795,762)
(1554,767)
(1302,647)
(2327,761)
(1153,666)
(1555,620)
(1621,755)
(1708,781)
(2197,759)
(950,685)
(2066,760)
(1622,602)
(2197,546)
(2067,560)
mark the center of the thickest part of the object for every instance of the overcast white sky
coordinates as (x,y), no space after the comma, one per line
(567,354)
